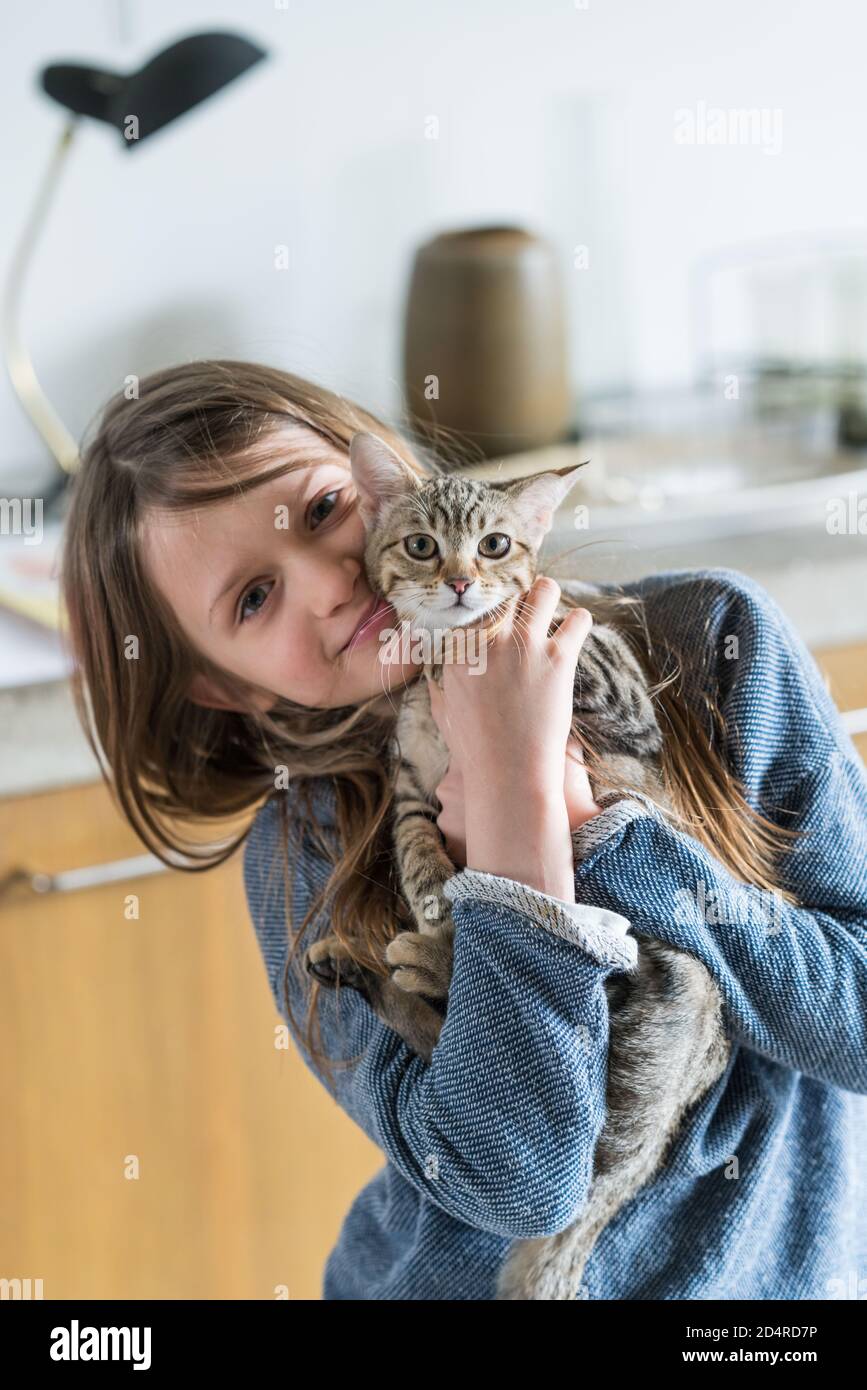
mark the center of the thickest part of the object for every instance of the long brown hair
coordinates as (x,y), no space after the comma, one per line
(203,431)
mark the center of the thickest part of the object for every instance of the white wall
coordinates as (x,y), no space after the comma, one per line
(551,114)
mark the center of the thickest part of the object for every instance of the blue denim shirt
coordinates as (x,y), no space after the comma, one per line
(763,1194)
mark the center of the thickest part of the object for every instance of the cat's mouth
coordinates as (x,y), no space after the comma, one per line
(461,613)
(457,614)
(435,613)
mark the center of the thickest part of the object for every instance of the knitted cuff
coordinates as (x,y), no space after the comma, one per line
(602,934)
(618,810)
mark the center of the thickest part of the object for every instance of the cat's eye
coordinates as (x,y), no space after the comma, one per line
(421,546)
(494,546)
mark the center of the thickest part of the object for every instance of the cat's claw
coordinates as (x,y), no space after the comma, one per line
(423,963)
(330,962)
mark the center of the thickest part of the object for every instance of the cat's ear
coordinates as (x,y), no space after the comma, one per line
(537,498)
(379,474)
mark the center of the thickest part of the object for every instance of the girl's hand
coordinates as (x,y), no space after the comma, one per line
(580,805)
(507,730)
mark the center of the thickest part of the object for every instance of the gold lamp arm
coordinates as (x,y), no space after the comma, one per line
(18,360)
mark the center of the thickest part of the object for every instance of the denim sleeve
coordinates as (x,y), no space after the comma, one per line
(500,1128)
(793,979)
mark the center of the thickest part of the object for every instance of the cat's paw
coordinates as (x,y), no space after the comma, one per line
(422,963)
(330,962)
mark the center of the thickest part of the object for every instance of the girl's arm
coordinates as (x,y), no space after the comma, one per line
(500,1129)
(794,979)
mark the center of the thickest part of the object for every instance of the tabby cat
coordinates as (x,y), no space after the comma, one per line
(445,551)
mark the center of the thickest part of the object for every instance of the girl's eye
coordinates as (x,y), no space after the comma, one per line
(420,546)
(322,501)
(495,546)
(257,588)
(253,599)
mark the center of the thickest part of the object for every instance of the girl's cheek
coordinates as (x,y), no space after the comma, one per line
(282,669)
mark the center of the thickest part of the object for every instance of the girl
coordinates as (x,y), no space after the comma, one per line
(214,518)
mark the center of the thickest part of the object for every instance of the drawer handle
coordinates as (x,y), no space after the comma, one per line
(855,721)
(73,880)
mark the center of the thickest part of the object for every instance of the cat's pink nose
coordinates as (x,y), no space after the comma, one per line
(459,585)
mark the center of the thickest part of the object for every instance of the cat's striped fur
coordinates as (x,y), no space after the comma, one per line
(666,1043)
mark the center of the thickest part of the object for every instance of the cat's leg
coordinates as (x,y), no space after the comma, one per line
(667,1047)
(422,959)
(417,1022)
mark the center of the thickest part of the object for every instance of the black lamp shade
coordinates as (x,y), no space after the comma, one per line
(171,83)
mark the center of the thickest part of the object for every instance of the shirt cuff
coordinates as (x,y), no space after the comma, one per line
(599,932)
(618,809)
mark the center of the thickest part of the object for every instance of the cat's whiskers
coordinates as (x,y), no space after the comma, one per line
(520,621)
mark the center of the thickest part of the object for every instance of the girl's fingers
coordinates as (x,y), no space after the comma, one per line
(572,631)
(506,618)
(539,604)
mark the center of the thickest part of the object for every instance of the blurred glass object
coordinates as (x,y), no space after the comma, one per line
(786,321)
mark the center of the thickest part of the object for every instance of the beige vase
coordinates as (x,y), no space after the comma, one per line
(484,351)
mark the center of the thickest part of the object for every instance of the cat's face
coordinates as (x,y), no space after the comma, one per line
(445,551)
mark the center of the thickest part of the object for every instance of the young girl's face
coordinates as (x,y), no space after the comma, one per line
(271,587)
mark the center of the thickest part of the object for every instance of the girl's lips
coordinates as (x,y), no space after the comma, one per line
(378,616)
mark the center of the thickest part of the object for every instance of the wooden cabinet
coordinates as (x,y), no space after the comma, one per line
(845,672)
(150,1041)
